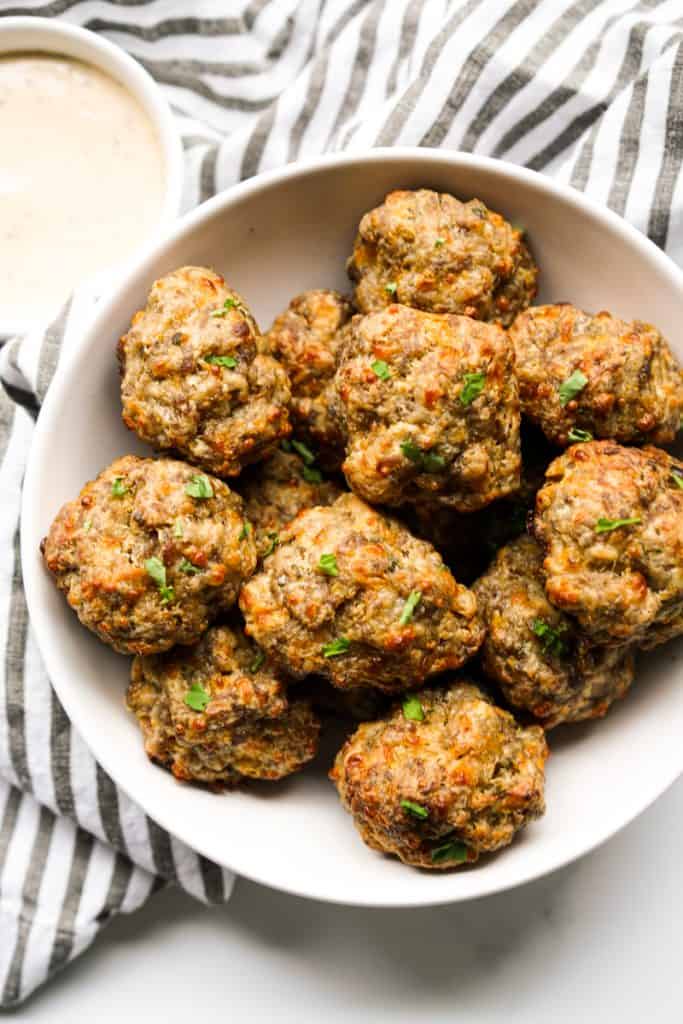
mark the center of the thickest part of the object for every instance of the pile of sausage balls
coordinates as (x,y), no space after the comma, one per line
(428,474)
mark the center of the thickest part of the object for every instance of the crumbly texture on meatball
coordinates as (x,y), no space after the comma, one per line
(278,489)
(610,522)
(440,789)
(351,595)
(305,339)
(431,251)
(430,407)
(195,379)
(149,553)
(535,652)
(596,373)
(218,712)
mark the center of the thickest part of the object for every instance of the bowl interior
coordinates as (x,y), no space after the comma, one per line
(273,238)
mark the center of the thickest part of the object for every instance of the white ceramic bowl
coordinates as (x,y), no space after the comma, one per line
(47,35)
(272,237)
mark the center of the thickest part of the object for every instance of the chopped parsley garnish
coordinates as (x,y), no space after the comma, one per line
(257,662)
(118,487)
(391,287)
(677,477)
(473,386)
(274,539)
(417,810)
(304,451)
(607,525)
(381,369)
(311,475)
(428,461)
(87,525)
(228,361)
(227,305)
(157,570)
(439,242)
(336,647)
(286,445)
(197,698)
(328,565)
(412,601)
(188,568)
(449,851)
(199,487)
(551,638)
(576,435)
(245,531)
(177,528)
(571,387)
(412,709)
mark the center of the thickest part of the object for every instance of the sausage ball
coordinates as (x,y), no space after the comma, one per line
(149,553)
(350,595)
(428,250)
(278,489)
(430,407)
(535,652)
(610,378)
(218,713)
(194,378)
(610,522)
(305,339)
(443,778)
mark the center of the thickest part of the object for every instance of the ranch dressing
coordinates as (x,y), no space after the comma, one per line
(81,179)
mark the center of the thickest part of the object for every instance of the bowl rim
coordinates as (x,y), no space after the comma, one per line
(56,395)
(47,35)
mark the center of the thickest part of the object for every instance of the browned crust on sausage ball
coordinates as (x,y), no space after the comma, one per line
(440,420)
(536,653)
(99,546)
(633,389)
(239,722)
(194,378)
(476,775)
(431,251)
(623,584)
(295,610)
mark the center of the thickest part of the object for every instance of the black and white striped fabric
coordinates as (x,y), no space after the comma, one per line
(588,91)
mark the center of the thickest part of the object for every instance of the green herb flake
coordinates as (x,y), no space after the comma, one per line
(304,451)
(286,446)
(336,647)
(473,386)
(177,528)
(227,306)
(439,242)
(199,487)
(188,568)
(311,475)
(417,810)
(571,387)
(551,639)
(391,287)
(412,601)
(607,525)
(157,570)
(411,451)
(274,539)
(118,487)
(381,369)
(412,709)
(197,698)
(576,435)
(456,852)
(257,662)
(328,565)
(87,525)
(677,477)
(228,361)
(432,463)
(245,531)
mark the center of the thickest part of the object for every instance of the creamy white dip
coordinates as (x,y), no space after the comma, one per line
(81,179)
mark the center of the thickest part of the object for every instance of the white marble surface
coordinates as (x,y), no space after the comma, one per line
(598,941)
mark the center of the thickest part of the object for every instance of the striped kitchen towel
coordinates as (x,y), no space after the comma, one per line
(588,91)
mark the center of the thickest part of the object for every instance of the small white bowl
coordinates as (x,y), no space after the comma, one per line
(47,35)
(272,237)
